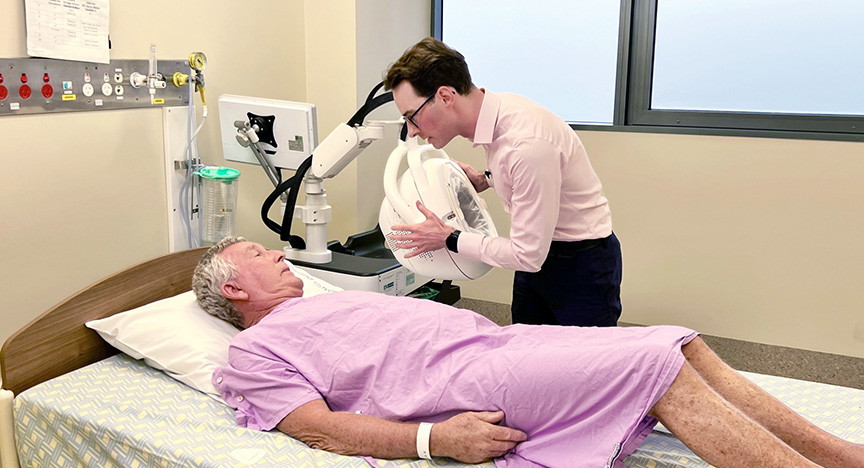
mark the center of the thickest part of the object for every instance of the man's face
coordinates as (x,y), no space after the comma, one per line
(430,122)
(262,273)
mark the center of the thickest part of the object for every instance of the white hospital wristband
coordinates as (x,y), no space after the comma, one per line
(424,433)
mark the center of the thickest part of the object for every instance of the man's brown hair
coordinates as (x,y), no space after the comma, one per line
(428,65)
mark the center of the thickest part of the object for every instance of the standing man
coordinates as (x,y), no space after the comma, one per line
(566,257)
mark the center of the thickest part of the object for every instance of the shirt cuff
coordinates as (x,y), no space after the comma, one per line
(469,244)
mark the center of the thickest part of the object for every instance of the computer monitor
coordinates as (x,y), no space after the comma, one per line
(293,126)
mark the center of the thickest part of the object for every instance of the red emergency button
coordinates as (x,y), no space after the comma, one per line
(47,91)
(23,77)
(24,91)
(45,78)
(1,78)
(3,92)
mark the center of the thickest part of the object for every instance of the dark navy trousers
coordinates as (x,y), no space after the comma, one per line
(578,284)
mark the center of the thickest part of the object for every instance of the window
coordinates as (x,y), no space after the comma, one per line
(560,53)
(715,66)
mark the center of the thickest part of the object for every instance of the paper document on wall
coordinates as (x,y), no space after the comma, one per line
(68,29)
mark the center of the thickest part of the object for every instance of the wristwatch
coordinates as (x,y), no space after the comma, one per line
(452,241)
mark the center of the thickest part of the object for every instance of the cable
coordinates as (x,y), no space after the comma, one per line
(190,152)
(292,187)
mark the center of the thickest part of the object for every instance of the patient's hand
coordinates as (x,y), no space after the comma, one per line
(473,437)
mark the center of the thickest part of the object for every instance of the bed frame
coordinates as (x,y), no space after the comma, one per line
(57,342)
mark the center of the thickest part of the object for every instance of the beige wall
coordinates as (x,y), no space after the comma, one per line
(83,194)
(748,238)
(331,61)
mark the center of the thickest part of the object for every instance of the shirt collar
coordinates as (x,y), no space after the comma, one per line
(485,128)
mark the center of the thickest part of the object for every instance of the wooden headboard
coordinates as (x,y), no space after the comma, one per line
(57,341)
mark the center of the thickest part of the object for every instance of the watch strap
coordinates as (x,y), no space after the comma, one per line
(452,241)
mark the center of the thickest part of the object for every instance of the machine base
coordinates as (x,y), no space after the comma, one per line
(366,274)
(365,264)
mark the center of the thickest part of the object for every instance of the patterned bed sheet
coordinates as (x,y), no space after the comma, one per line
(121,413)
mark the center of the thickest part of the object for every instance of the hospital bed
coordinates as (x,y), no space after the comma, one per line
(79,402)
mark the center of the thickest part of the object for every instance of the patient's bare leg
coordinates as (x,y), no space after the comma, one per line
(717,431)
(817,445)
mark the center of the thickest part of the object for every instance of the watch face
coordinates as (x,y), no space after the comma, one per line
(472,216)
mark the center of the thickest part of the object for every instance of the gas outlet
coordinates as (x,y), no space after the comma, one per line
(50,85)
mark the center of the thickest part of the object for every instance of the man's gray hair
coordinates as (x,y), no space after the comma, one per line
(210,274)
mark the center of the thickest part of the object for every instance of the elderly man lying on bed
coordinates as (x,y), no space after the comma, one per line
(361,373)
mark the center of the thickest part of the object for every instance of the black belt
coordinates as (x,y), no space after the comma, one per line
(565,247)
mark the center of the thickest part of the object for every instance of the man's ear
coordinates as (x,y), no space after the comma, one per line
(232,291)
(446,94)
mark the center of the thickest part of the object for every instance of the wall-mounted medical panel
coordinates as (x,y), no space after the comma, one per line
(33,85)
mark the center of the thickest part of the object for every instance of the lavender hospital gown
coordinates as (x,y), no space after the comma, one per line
(581,394)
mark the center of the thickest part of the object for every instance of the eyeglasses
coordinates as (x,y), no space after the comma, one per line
(411,117)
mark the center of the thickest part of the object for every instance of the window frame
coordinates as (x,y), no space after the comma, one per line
(632,112)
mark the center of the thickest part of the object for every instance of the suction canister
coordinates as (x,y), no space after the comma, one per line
(218,202)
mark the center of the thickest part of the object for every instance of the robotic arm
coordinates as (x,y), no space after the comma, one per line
(336,151)
(340,147)
(348,140)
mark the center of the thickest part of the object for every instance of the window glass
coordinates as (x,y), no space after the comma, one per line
(772,56)
(560,53)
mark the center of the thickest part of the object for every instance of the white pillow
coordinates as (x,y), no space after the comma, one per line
(176,335)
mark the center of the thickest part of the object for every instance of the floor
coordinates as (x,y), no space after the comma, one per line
(742,355)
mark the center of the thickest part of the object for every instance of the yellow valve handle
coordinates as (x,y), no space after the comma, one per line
(180,79)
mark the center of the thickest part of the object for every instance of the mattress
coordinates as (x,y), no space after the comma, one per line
(121,413)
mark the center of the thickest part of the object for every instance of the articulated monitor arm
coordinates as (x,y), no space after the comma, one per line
(247,137)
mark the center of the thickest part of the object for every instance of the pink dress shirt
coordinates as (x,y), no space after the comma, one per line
(542,174)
